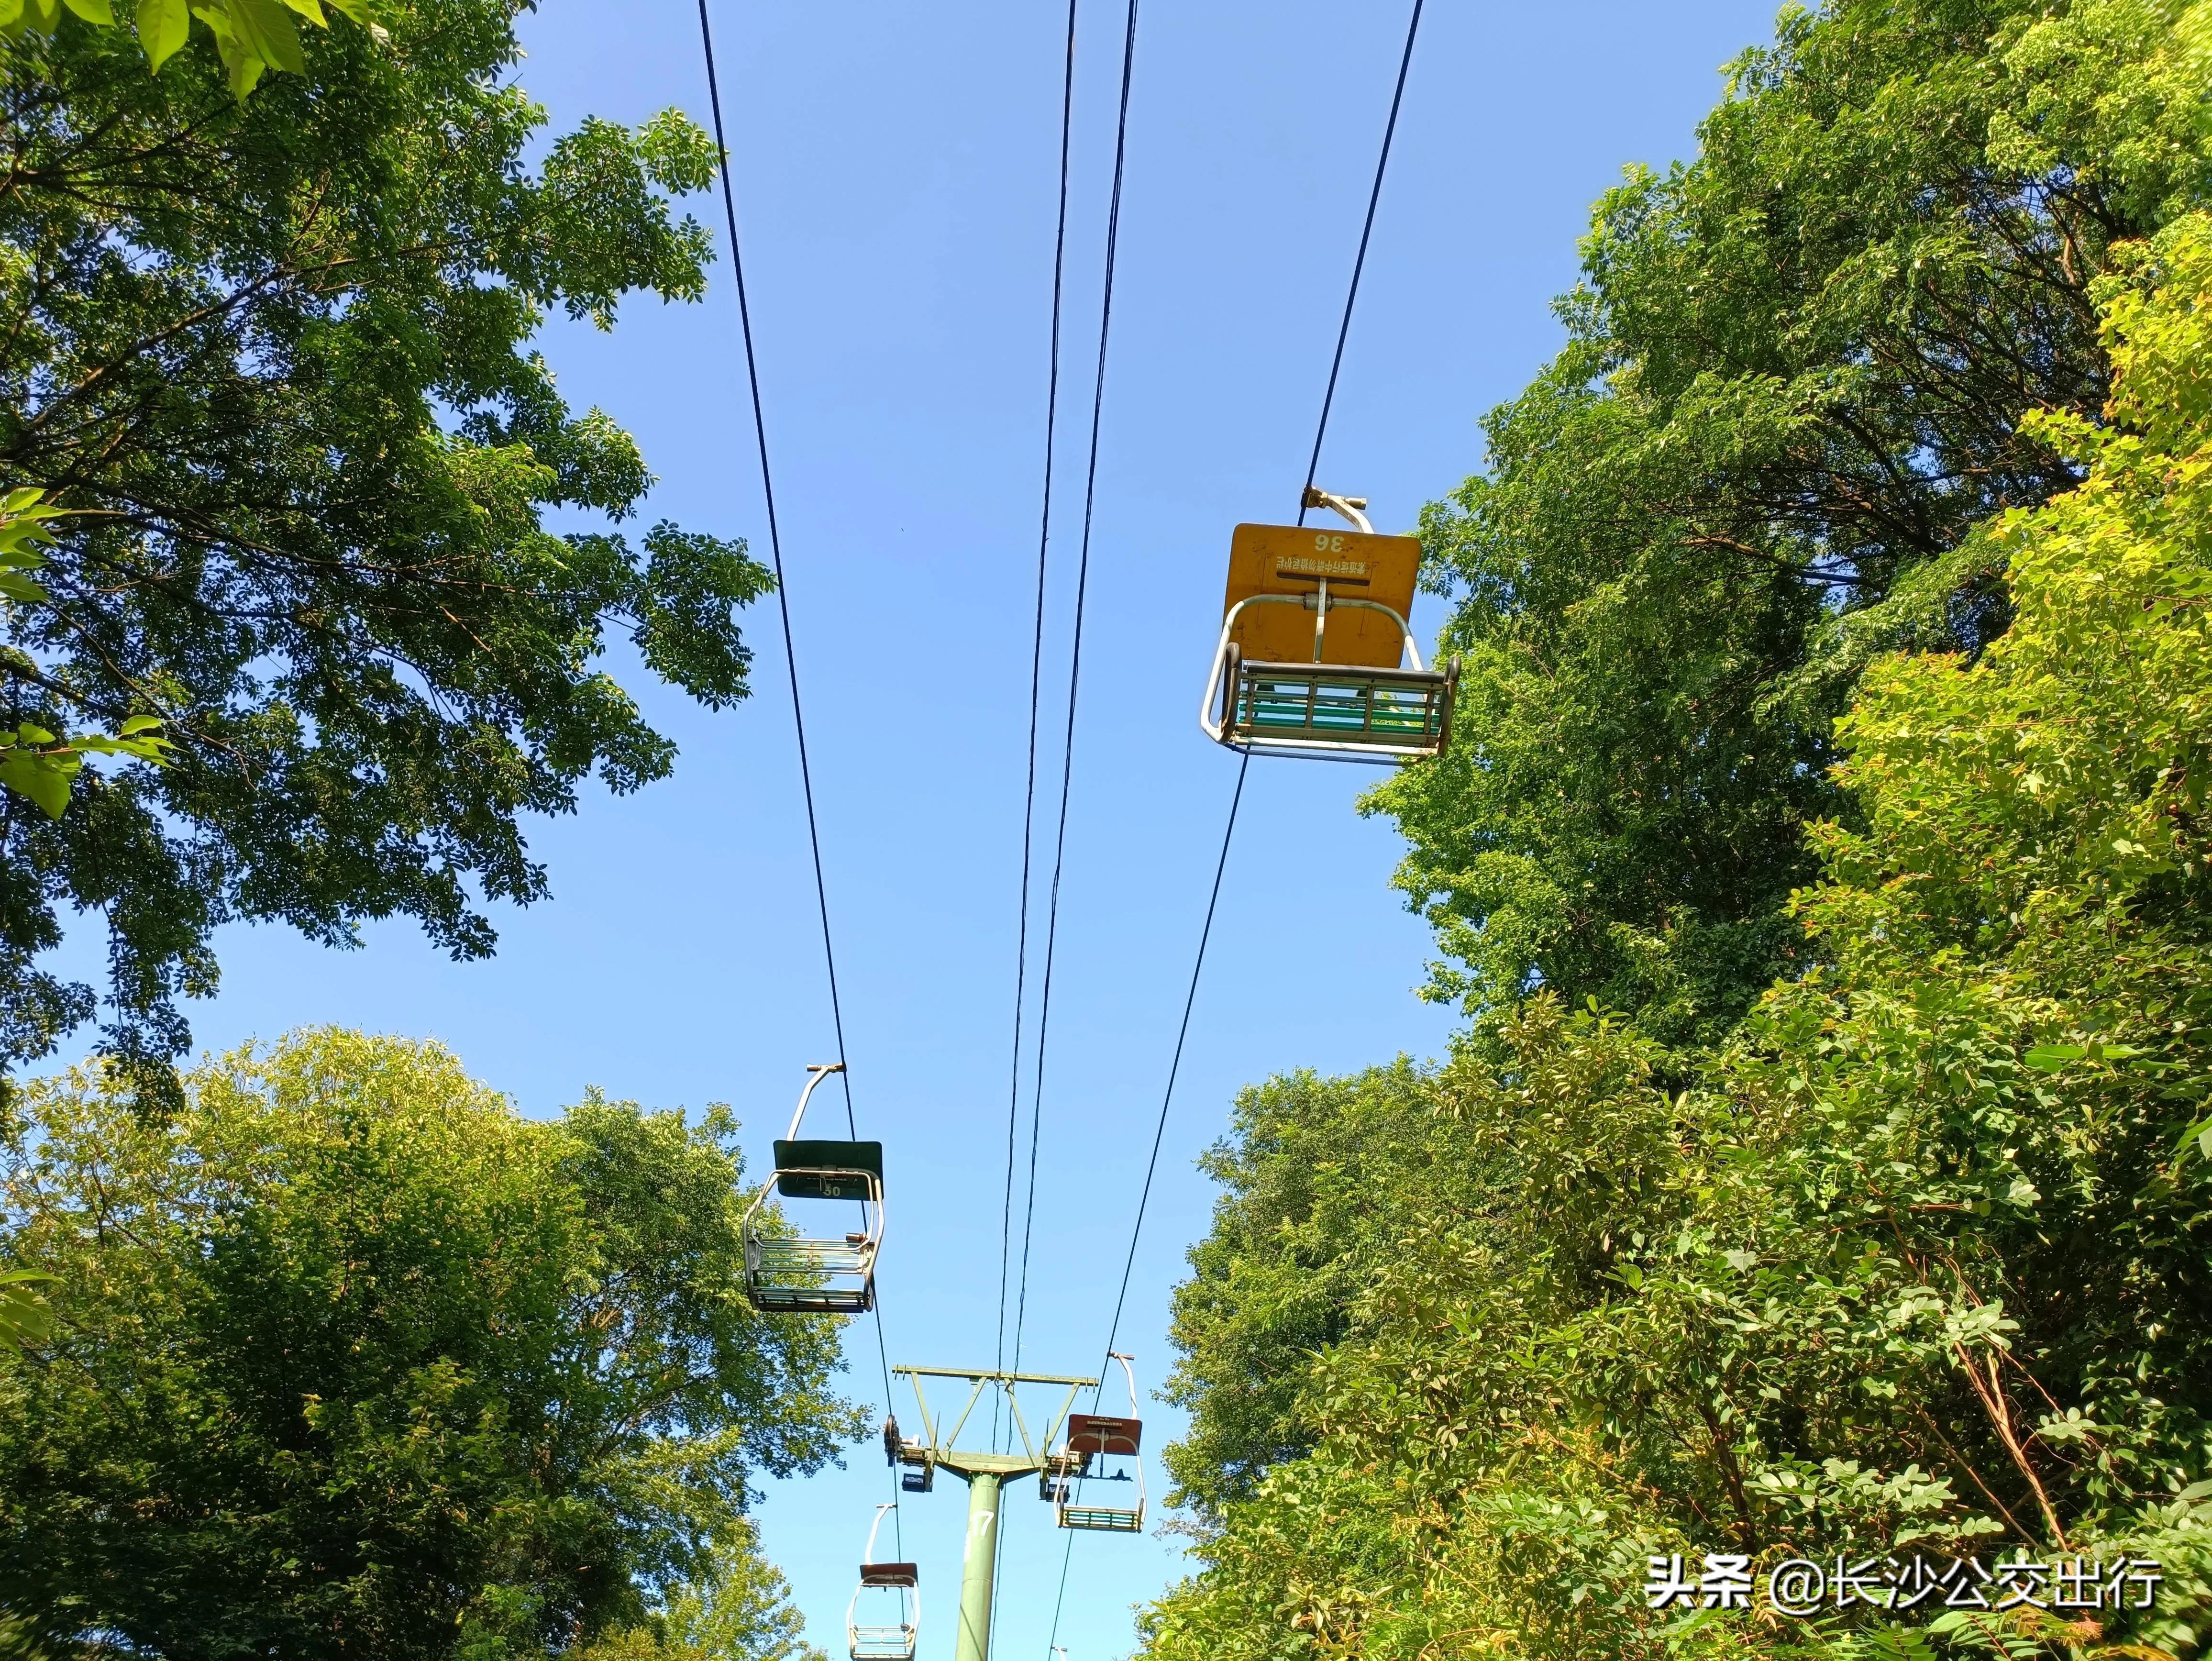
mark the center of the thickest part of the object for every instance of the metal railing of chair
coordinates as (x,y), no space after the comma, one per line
(1394,712)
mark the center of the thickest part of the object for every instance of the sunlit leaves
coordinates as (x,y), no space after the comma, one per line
(250,36)
(1915,1257)
(1799,370)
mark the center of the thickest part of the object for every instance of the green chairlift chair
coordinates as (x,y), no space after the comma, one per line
(786,1271)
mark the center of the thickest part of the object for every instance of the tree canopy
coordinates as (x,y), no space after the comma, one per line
(1902,1248)
(1795,379)
(350,1358)
(276,357)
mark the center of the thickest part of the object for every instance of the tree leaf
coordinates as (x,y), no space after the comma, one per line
(264,29)
(37,777)
(94,11)
(163,26)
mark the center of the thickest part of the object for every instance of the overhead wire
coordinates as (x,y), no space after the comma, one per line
(1159,1133)
(790,656)
(1037,675)
(1075,655)
(1360,261)
(1313,465)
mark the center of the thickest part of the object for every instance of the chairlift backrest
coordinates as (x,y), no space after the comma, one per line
(890,1574)
(1094,1434)
(1296,560)
(828,1171)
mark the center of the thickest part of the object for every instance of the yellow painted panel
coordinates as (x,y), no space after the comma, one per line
(1290,559)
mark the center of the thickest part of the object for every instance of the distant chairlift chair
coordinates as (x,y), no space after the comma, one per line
(788,1271)
(1352,698)
(897,1589)
(1095,1445)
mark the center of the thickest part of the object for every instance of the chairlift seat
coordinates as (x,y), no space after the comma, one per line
(1090,1434)
(796,1274)
(1326,710)
(892,1590)
(1313,658)
(790,1276)
(1093,1438)
(828,1171)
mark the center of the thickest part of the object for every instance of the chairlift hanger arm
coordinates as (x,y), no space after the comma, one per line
(816,1071)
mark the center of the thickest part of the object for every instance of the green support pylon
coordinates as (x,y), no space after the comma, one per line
(978,1567)
(986,1473)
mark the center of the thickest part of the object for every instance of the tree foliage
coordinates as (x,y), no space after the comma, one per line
(1795,376)
(274,358)
(1912,1257)
(250,36)
(352,1360)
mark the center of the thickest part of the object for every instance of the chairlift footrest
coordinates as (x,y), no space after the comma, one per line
(1103,1518)
(1320,709)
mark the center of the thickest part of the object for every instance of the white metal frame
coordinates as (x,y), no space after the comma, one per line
(895,1642)
(1071,1485)
(792,1273)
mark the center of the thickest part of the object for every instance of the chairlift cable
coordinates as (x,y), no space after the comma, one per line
(1313,465)
(1037,672)
(1075,655)
(790,656)
(1360,262)
(1159,1133)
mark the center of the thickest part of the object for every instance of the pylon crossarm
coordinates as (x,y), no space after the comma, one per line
(939,1443)
(952,1438)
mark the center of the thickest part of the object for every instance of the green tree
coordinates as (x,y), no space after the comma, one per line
(250,36)
(738,1610)
(1795,376)
(273,358)
(353,1360)
(1915,1261)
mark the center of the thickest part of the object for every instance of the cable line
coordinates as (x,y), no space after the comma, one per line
(1159,1132)
(1075,655)
(1360,262)
(790,654)
(1037,672)
(1313,465)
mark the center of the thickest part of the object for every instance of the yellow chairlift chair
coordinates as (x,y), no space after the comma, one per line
(1315,657)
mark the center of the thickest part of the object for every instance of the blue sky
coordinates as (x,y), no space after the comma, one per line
(897,169)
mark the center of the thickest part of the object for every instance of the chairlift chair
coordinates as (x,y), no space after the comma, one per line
(787,1272)
(1337,687)
(892,1640)
(1095,1442)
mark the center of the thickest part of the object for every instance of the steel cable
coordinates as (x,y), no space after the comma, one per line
(1075,658)
(1037,672)
(790,659)
(1313,465)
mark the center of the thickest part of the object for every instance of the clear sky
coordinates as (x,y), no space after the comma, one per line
(896,166)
